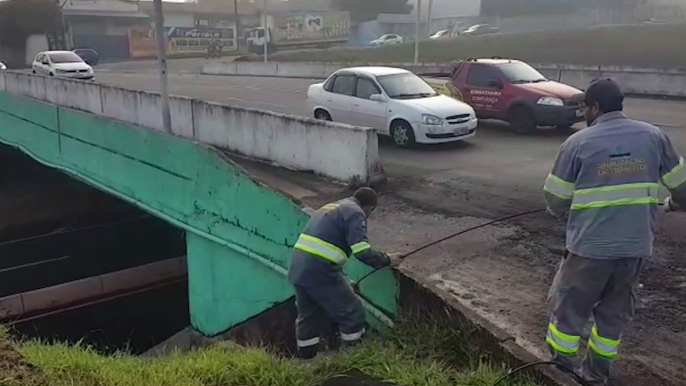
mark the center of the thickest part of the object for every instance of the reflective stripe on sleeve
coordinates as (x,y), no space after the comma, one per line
(675,177)
(321,248)
(360,247)
(617,195)
(308,342)
(606,347)
(558,187)
(352,337)
(561,342)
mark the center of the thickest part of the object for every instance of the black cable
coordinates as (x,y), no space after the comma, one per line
(461,233)
(454,235)
(528,365)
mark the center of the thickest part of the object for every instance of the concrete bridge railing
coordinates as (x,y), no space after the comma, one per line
(669,82)
(338,151)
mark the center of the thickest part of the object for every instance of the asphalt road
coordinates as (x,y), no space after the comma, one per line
(502,272)
(528,158)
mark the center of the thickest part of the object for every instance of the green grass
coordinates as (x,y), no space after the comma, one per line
(641,46)
(420,354)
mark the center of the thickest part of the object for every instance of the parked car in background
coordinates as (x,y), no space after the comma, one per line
(393,101)
(512,91)
(62,64)
(2,66)
(88,55)
(444,34)
(387,39)
(480,29)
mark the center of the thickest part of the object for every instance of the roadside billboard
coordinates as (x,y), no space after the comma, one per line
(306,27)
(142,42)
(196,40)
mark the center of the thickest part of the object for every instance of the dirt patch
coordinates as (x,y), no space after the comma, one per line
(15,370)
(354,378)
(503,272)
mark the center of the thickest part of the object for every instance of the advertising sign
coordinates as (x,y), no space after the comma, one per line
(312,26)
(189,40)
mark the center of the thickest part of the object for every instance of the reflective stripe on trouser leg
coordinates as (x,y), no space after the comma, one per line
(561,342)
(353,338)
(605,347)
(601,354)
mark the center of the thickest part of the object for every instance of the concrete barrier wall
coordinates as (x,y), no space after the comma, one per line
(669,82)
(303,70)
(289,141)
(335,150)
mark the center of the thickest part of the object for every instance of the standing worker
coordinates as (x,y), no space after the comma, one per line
(606,180)
(322,291)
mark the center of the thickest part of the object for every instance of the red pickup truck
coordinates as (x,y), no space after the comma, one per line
(512,91)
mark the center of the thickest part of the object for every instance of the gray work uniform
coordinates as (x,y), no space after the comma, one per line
(322,291)
(606,180)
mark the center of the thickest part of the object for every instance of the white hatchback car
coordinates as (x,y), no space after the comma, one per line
(62,64)
(395,102)
(387,40)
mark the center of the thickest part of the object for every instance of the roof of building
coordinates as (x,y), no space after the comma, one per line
(104,8)
(203,7)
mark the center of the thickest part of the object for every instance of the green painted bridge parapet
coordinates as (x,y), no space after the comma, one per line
(239,231)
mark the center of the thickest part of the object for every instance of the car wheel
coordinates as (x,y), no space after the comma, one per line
(322,115)
(522,120)
(402,134)
(34,71)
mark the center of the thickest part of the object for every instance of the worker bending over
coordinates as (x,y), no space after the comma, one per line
(322,291)
(606,179)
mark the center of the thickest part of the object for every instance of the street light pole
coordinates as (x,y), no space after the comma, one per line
(162,62)
(428,18)
(266,32)
(418,31)
(238,24)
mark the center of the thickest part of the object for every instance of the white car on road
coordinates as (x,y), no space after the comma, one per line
(387,39)
(62,64)
(395,102)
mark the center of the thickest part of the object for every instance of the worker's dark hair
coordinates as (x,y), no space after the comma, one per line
(606,93)
(367,197)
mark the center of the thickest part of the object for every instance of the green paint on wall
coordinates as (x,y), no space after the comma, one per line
(192,186)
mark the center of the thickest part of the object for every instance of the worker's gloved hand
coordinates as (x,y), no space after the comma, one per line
(669,205)
(395,259)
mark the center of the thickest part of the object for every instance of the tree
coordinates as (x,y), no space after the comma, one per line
(366,10)
(20,19)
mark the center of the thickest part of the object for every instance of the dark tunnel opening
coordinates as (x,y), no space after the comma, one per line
(79,264)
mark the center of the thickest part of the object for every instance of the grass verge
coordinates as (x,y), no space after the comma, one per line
(641,46)
(419,354)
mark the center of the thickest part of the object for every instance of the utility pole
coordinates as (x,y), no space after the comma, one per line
(418,31)
(238,24)
(428,18)
(161,38)
(266,32)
